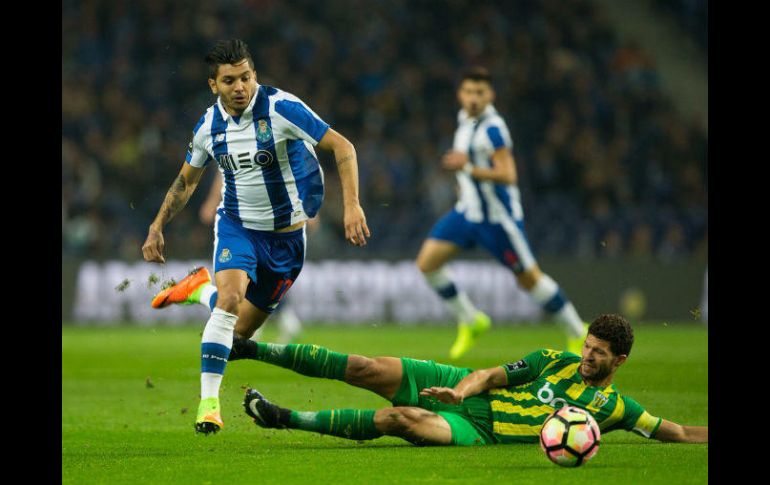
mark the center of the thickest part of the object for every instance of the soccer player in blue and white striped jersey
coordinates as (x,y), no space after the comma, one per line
(489,214)
(262,139)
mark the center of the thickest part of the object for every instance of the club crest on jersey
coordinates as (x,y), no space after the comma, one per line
(599,400)
(264,133)
(225,256)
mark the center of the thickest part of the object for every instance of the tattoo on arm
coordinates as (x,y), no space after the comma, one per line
(176,198)
(344,159)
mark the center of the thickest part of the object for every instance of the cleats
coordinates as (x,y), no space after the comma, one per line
(186,292)
(575,344)
(263,412)
(467,333)
(209,418)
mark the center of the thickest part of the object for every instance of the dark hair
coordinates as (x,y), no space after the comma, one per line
(227,52)
(476,73)
(614,329)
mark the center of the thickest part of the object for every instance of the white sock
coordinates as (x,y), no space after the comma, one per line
(547,294)
(206,293)
(215,349)
(457,301)
(570,319)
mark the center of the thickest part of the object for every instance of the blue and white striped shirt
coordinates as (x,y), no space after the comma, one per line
(485,201)
(272,178)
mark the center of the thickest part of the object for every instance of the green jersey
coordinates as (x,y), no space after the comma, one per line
(546,380)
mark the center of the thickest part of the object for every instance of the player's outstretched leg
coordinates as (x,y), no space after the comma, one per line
(354,424)
(381,375)
(413,424)
(196,287)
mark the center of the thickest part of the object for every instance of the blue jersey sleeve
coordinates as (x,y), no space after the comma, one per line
(498,134)
(495,137)
(197,156)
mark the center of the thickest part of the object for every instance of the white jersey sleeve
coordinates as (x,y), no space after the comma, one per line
(301,121)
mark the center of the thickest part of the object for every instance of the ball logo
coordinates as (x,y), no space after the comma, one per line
(263,158)
(546,395)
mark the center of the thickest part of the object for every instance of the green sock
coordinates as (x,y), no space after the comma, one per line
(309,360)
(353,424)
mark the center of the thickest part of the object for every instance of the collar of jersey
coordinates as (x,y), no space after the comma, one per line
(489,110)
(249,108)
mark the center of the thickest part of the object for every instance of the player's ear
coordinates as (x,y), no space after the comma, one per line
(620,360)
(213,86)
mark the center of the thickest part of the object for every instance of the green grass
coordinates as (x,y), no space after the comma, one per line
(117,430)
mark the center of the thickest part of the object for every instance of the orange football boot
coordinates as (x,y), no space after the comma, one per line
(185,291)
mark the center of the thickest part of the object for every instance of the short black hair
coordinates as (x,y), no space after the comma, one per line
(614,329)
(476,73)
(227,52)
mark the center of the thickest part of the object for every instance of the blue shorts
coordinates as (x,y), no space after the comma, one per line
(506,241)
(272,260)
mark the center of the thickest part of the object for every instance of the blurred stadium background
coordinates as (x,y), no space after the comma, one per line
(607,104)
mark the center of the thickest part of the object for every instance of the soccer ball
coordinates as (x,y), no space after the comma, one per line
(570,436)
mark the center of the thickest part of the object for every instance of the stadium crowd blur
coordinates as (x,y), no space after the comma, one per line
(606,165)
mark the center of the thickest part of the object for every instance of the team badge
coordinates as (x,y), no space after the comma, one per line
(517,366)
(264,133)
(599,400)
(225,256)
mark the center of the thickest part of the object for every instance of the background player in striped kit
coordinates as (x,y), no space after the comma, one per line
(488,213)
(262,138)
(438,404)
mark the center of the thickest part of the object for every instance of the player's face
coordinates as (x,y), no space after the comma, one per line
(236,85)
(598,361)
(474,96)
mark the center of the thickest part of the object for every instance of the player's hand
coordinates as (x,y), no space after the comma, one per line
(356,230)
(454,160)
(447,395)
(152,249)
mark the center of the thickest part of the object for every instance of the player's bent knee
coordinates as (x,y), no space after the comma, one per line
(359,369)
(229,301)
(391,421)
(398,421)
(528,279)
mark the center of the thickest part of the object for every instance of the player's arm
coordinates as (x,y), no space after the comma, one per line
(676,433)
(356,230)
(474,383)
(176,198)
(208,209)
(503,170)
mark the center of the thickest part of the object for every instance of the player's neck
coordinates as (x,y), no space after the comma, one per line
(479,114)
(599,382)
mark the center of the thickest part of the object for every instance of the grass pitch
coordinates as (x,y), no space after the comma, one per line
(130,394)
